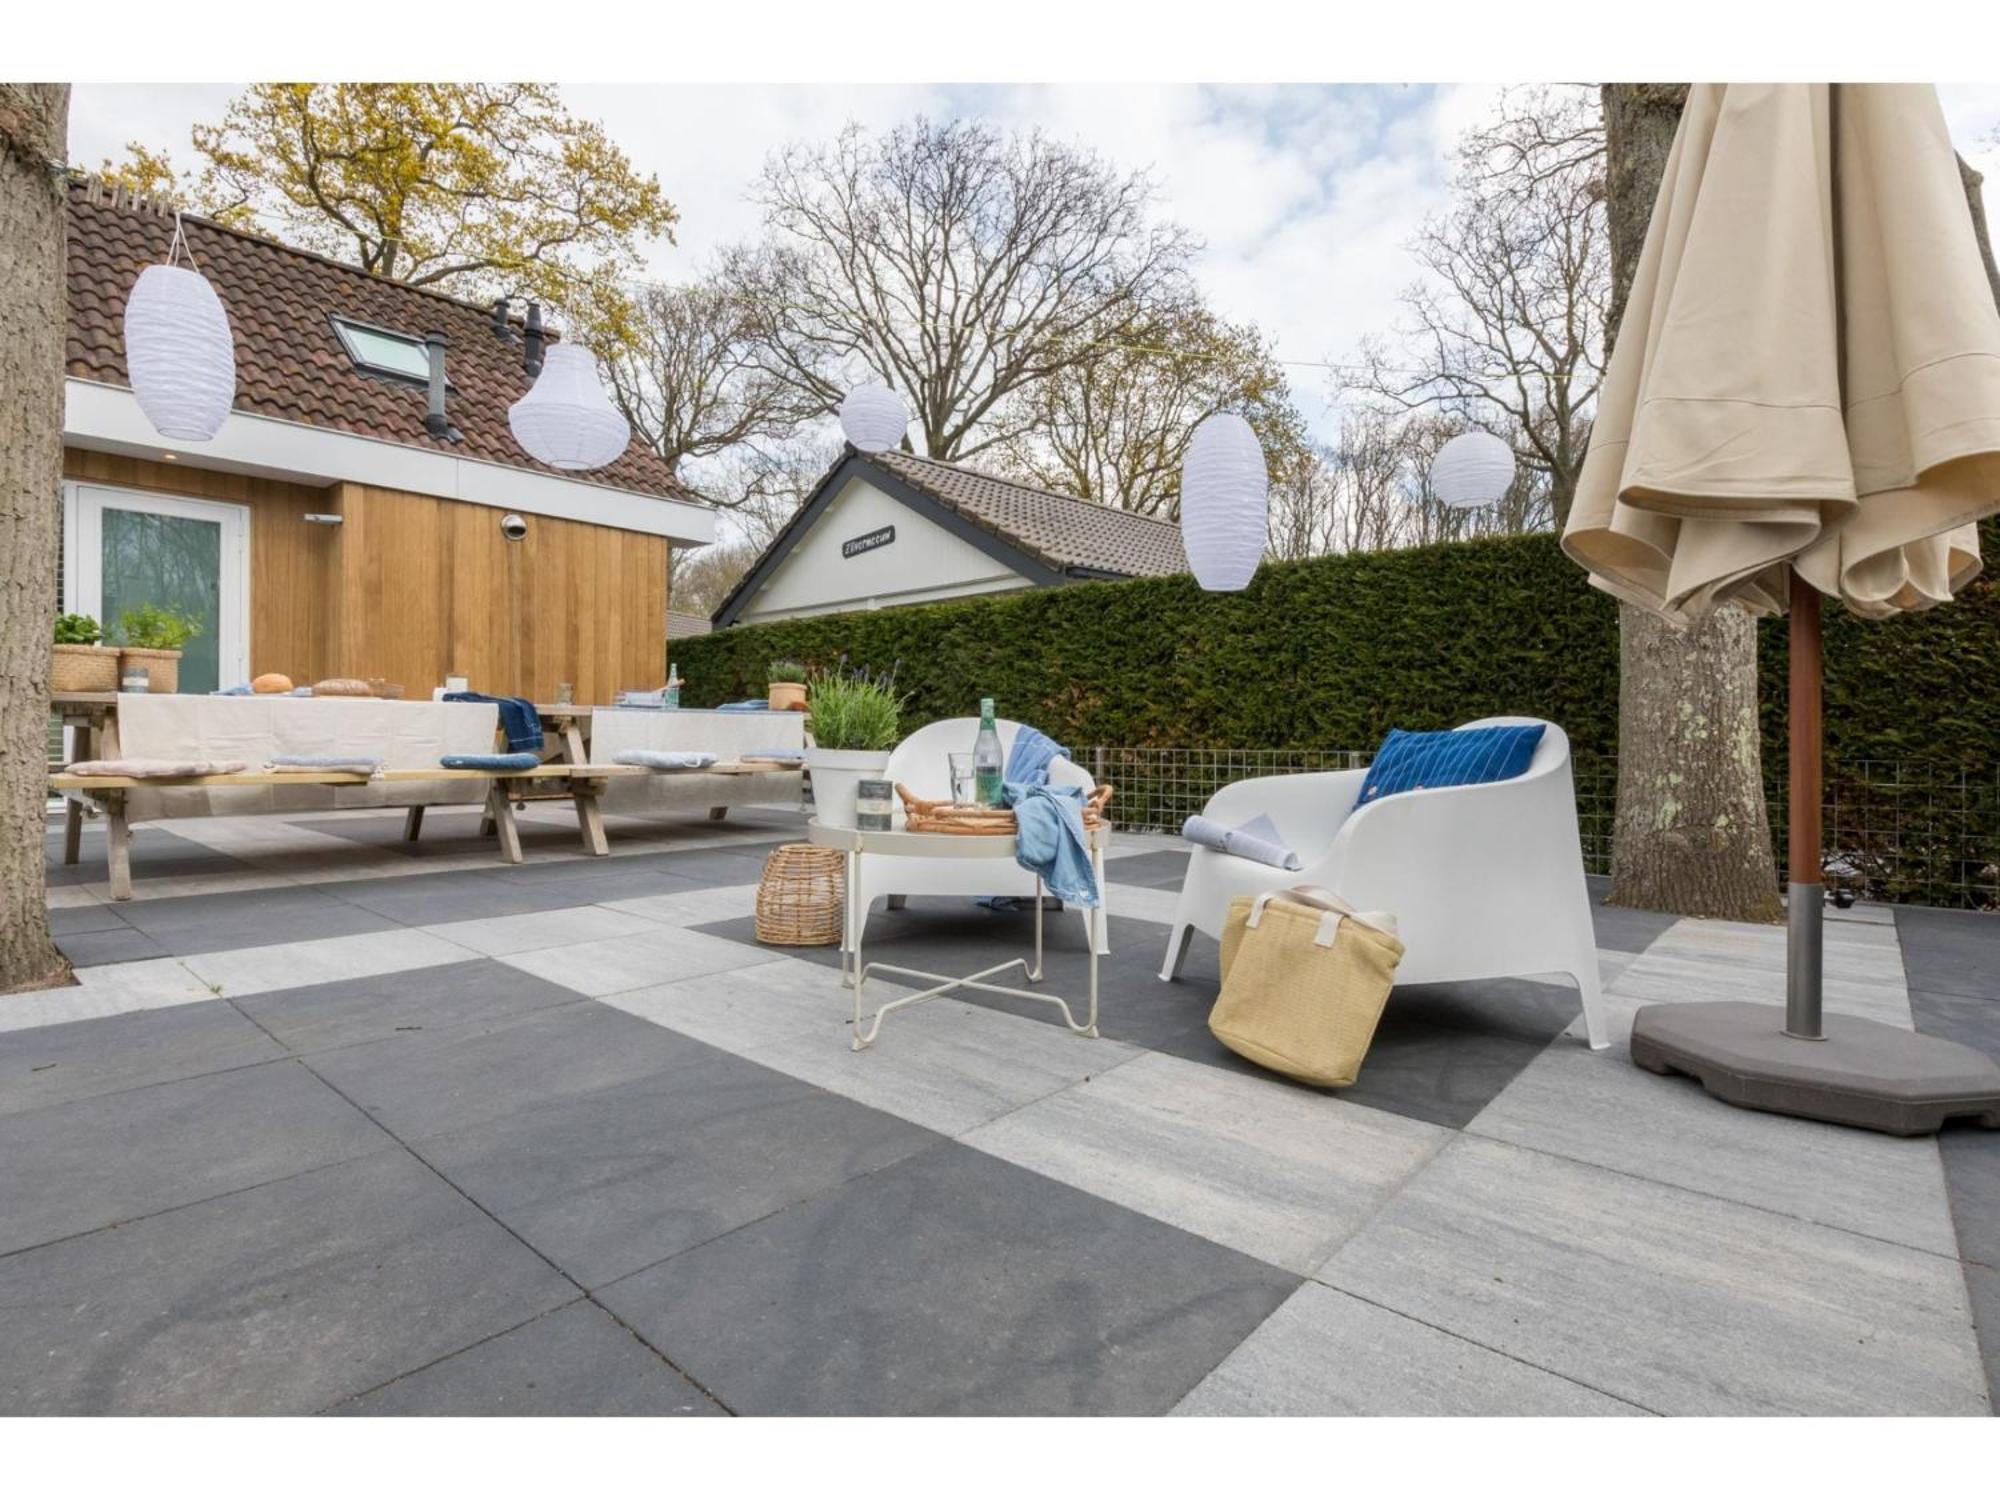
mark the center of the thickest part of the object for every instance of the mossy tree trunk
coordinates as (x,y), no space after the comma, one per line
(1692,833)
(34,134)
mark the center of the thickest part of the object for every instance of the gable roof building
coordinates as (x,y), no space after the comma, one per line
(892,528)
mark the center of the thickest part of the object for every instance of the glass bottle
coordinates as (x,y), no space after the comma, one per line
(986,758)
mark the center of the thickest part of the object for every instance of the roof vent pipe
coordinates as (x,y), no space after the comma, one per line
(500,329)
(533,360)
(435,421)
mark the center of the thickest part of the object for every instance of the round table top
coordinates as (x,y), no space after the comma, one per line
(926,845)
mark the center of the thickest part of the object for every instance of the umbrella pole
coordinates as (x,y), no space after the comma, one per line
(1805,904)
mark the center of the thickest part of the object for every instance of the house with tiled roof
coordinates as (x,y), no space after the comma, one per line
(891,528)
(326,530)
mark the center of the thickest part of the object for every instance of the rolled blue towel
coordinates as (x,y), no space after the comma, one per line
(241,690)
(1255,840)
(745,706)
(665,760)
(523,761)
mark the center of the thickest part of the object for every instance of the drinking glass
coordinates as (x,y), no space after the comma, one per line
(964,783)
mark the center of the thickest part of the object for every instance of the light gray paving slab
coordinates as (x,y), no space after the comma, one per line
(106,990)
(1326,1354)
(1679,1302)
(945,1064)
(283,966)
(527,931)
(692,908)
(1597,1107)
(610,965)
(1277,1172)
(745,1009)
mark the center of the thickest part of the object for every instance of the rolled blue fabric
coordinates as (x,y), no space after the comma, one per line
(519,722)
(524,761)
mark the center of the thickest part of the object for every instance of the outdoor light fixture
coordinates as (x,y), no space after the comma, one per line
(179,353)
(1224,497)
(1473,469)
(874,417)
(566,420)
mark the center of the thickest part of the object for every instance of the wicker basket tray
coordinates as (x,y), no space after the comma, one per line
(801,895)
(921,815)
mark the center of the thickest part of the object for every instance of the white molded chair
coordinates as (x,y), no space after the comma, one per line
(1485,881)
(920,764)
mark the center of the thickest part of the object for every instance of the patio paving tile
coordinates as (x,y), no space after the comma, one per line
(86,1163)
(186,925)
(1623,927)
(1161,869)
(107,990)
(745,1009)
(692,908)
(562,925)
(1679,1302)
(313,1017)
(47,1065)
(952,1282)
(1951,952)
(122,944)
(446,831)
(1280,1173)
(250,971)
(610,1182)
(432,1082)
(156,853)
(608,965)
(573,1362)
(445,896)
(1972,1174)
(68,921)
(1982,1284)
(1326,1354)
(280,1299)
(944,1064)
(1598,1108)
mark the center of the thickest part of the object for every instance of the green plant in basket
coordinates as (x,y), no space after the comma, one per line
(156,627)
(77,630)
(854,709)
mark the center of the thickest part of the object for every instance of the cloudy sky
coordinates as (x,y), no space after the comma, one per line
(1305,196)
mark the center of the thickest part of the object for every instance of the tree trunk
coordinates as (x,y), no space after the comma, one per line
(34,141)
(1692,833)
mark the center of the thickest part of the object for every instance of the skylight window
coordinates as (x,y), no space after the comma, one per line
(381,352)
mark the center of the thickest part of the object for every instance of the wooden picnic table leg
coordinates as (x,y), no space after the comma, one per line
(413,823)
(119,838)
(72,830)
(572,741)
(589,816)
(500,815)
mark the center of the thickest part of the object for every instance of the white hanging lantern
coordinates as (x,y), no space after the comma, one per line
(874,418)
(179,354)
(1471,470)
(1224,496)
(566,420)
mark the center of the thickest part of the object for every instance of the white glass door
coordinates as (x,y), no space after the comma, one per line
(126,548)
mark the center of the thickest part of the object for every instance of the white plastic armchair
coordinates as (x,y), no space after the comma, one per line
(1485,881)
(921,764)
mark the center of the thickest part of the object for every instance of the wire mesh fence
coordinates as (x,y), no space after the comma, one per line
(1896,830)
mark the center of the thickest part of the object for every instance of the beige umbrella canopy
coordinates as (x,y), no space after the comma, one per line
(1727,446)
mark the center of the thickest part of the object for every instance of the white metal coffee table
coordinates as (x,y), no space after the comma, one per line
(856,844)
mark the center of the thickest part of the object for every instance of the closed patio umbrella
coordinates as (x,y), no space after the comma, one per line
(1804,401)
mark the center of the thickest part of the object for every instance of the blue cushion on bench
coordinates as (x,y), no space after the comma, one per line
(523,760)
(1409,762)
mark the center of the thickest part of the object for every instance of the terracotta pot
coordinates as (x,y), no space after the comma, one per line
(84,669)
(163,668)
(788,696)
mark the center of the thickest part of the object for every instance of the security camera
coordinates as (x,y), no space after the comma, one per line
(513,527)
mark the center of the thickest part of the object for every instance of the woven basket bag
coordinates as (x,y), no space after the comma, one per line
(801,896)
(1304,981)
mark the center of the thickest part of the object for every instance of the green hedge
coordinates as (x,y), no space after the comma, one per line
(1333,651)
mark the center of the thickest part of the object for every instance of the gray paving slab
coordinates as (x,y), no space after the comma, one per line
(744,1009)
(119,945)
(156,854)
(554,928)
(46,1065)
(431,1082)
(1682,1303)
(1599,1108)
(1972,1176)
(1623,927)
(314,1017)
(1162,869)
(447,831)
(1982,1285)
(609,1182)
(952,1282)
(1971,1019)
(1951,952)
(86,1163)
(445,896)
(282,966)
(1280,1173)
(249,919)
(281,1299)
(68,921)
(574,1362)
(1326,1354)
(605,966)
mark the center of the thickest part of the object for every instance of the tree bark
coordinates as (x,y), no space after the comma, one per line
(34,141)
(1692,833)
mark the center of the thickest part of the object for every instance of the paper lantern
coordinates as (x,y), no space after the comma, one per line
(179,354)
(874,418)
(566,420)
(1471,470)
(1224,493)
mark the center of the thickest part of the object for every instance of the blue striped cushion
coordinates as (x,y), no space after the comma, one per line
(1453,757)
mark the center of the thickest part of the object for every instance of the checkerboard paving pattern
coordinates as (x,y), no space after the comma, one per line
(334,1126)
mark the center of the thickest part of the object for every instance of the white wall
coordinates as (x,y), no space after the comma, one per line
(925,562)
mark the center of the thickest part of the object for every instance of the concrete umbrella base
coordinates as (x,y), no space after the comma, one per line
(1860,1073)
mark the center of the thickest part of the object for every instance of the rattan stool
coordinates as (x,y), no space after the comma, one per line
(801,897)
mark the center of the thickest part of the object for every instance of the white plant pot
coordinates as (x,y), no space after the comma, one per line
(836,774)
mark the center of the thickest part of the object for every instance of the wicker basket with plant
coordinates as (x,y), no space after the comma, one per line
(80,664)
(152,636)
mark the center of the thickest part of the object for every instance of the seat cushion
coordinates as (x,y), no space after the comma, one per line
(1409,762)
